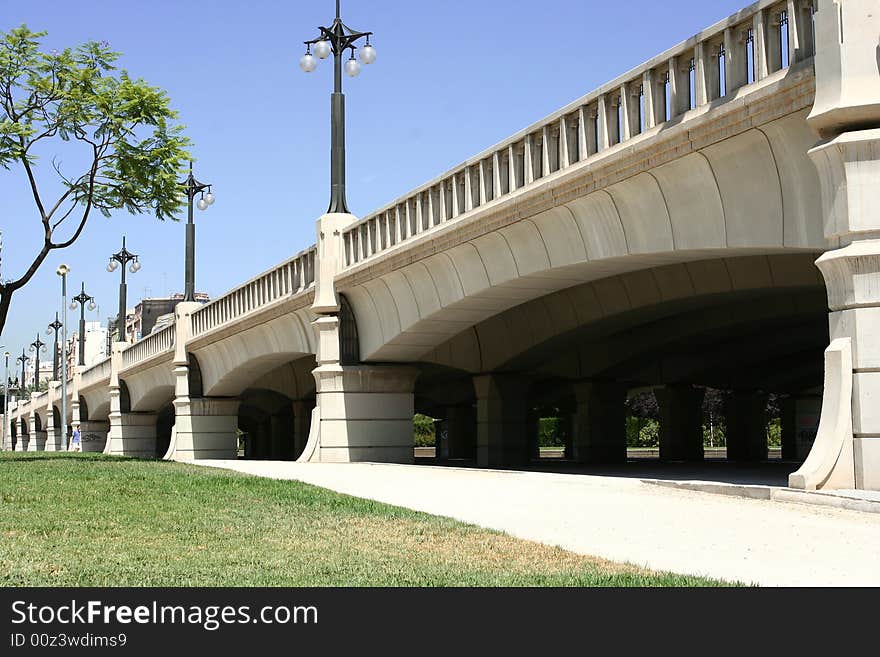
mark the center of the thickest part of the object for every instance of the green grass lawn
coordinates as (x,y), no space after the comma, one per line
(91,520)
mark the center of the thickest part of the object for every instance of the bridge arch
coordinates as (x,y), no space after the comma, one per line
(753,193)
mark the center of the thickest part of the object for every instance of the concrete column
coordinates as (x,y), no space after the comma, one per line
(599,432)
(502,438)
(205,428)
(131,434)
(681,422)
(773,41)
(736,60)
(461,430)
(746,419)
(38,438)
(759,45)
(845,114)
(53,433)
(679,86)
(93,434)
(25,435)
(366,414)
(604,117)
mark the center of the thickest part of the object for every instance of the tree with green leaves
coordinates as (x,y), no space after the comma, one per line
(119,132)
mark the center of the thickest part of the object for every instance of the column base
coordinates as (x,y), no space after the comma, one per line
(366,414)
(93,435)
(204,428)
(132,434)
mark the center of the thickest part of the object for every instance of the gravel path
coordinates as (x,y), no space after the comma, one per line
(764,542)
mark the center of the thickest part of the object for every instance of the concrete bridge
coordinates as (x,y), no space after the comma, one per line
(661,232)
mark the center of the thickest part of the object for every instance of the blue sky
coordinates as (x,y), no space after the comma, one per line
(451,79)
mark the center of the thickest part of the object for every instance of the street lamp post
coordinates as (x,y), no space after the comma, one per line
(62,271)
(54,327)
(193,187)
(5,399)
(81,299)
(123,257)
(337,39)
(36,347)
(23,359)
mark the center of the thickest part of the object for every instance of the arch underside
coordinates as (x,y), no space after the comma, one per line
(754,194)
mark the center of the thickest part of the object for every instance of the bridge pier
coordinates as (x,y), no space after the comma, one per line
(681,422)
(53,433)
(37,441)
(599,435)
(502,414)
(366,413)
(746,420)
(93,435)
(846,115)
(205,428)
(131,434)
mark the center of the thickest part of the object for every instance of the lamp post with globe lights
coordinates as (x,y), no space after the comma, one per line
(54,327)
(123,257)
(36,347)
(24,359)
(81,299)
(63,271)
(5,398)
(337,39)
(193,187)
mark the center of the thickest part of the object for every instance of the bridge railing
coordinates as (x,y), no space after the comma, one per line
(96,373)
(744,48)
(150,346)
(289,278)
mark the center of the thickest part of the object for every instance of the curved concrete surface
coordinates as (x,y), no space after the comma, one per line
(770,543)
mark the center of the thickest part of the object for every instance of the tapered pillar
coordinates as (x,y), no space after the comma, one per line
(38,436)
(681,422)
(746,419)
(502,414)
(846,114)
(599,434)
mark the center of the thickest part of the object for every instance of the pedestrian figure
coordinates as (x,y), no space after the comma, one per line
(76,443)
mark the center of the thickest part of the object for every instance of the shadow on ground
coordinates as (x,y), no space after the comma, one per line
(767,473)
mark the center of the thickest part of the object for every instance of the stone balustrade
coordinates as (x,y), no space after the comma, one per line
(153,345)
(747,47)
(289,278)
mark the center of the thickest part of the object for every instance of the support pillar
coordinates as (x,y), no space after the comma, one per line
(366,414)
(461,429)
(38,437)
(205,428)
(599,434)
(502,414)
(131,434)
(53,433)
(746,418)
(681,422)
(93,435)
(846,115)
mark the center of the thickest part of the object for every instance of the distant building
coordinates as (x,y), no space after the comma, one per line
(140,322)
(95,345)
